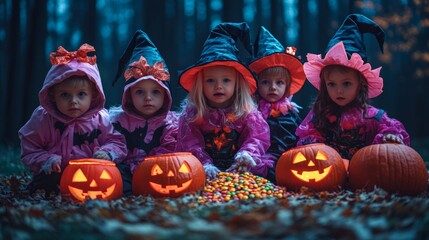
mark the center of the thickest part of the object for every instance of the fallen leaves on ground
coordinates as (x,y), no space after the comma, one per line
(305,214)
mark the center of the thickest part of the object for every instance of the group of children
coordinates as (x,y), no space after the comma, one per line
(238,116)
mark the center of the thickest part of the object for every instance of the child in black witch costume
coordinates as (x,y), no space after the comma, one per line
(144,117)
(280,75)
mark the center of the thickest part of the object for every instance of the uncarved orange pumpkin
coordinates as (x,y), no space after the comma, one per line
(396,168)
(169,175)
(91,178)
(316,166)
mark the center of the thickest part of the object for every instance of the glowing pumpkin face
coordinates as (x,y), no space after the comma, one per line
(91,178)
(316,166)
(169,175)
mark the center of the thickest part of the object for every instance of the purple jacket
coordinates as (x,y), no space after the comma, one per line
(354,131)
(249,133)
(48,132)
(145,137)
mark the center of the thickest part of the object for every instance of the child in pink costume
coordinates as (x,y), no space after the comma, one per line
(220,123)
(71,121)
(341,116)
(144,118)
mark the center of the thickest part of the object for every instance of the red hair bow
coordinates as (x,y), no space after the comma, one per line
(141,68)
(62,56)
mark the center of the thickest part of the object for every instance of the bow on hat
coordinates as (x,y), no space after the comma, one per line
(141,68)
(62,56)
(141,58)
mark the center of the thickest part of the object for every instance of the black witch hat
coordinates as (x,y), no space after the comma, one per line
(351,34)
(269,52)
(220,50)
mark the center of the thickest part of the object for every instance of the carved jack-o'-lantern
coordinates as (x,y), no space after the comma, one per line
(169,175)
(396,168)
(91,178)
(316,166)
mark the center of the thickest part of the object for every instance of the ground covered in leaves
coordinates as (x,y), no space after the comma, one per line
(299,215)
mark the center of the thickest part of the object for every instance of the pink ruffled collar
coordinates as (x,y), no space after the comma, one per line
(280,107)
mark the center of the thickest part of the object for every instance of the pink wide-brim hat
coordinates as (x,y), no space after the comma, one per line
(337,56)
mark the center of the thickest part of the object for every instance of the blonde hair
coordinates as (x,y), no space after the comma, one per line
(277,71)
(242,100)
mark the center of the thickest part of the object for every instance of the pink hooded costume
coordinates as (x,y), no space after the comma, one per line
(51,134)
(144,136)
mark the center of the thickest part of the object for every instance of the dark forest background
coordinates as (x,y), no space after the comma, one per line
(31,29)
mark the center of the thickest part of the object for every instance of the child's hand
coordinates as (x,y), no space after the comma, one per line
(211,171)
(392,138)
(53,164)
(243,163)
(100,154)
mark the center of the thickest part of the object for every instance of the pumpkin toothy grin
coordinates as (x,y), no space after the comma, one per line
(170,188)
(81,195)
(307,176)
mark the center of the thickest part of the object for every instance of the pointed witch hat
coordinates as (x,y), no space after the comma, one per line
(220,50)
(347,48)
(142,61)
(142,58)
(268,52)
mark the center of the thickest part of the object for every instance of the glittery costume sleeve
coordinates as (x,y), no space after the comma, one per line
(307,132)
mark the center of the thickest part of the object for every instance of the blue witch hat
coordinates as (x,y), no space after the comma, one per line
(220,50)
(142,58)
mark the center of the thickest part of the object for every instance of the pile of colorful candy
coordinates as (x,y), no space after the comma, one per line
(239,186)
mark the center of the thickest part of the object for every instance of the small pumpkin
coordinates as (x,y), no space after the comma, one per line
(169,175)
(396,168)
(91,178)
(316,166)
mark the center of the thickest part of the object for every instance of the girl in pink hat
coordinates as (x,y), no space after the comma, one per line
(341,116)
(220,123)
(71,121)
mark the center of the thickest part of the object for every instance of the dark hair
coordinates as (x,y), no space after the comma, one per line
(324,107)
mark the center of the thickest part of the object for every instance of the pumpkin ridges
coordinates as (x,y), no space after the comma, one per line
(393,167)
(92,169)
(142,179)
(333,181)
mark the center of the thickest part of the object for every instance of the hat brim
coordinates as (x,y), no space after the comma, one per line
(189,76)
(337,56)
(289,62)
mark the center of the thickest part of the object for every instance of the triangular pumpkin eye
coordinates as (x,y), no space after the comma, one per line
(321,156)
(185,168)
(299,157)
(79,176)
(105,175)
(156,170)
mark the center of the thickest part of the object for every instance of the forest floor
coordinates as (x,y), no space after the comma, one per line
(304,214)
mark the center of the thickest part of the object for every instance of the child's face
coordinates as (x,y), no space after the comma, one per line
(219,85)
(272,88)
(147,97)
(342,86)
(73,96)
